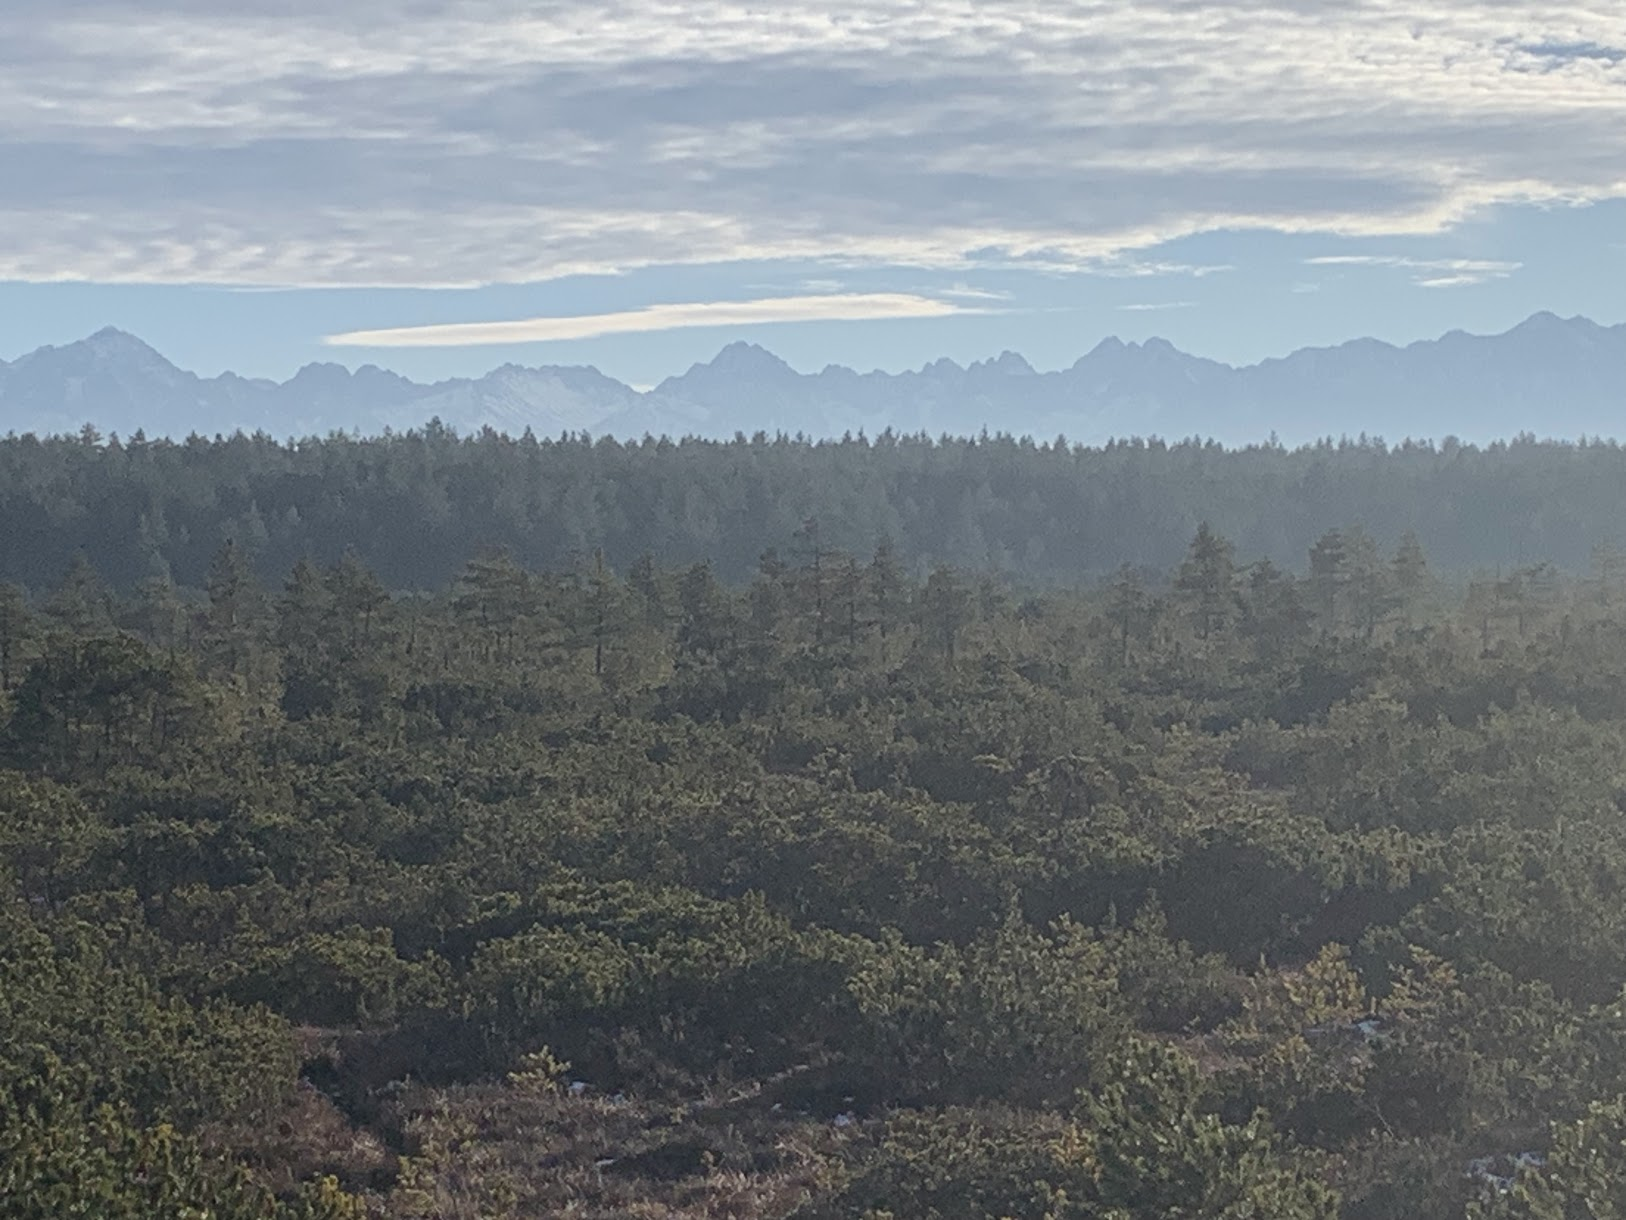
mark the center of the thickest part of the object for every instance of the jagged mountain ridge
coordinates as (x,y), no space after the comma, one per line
(1551,376)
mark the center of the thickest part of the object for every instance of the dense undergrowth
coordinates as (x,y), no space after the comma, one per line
(831,894)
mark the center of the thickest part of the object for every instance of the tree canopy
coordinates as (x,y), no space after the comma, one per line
(837,886)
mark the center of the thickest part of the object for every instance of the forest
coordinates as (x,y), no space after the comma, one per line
(873,881)
(417,506)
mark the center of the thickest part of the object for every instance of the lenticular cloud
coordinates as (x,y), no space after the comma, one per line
(495,140)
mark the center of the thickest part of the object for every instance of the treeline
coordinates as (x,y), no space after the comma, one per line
(416,507)
(834,892)
(1350,589)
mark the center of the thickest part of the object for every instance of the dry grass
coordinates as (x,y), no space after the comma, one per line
(493,1151)
(740,1150)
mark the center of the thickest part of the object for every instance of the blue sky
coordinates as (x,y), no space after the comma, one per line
(440,186)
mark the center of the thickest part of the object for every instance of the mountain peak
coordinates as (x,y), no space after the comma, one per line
(1011,364)
(1546,322)
(741,350)
(742,358)
(321,370)
(110,341)
(108,351)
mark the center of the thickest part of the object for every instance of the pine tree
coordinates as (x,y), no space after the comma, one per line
(1370,596)
(16,632)
(604,601)
(1273,609)
(1126,606)
(494,596)
(767,597)
(1205,579)
(358,597)
(1329,573)
(705,623)
(647,586)
(80,604)
(849,586)
(160,615)
(1410,574)
(887,592)
(813,578)
(945,611)
(231,589)
(233,613)
(303,611)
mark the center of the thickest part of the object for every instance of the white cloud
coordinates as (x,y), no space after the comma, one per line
(1134,268)
(965,292)
(1424,264)
(1451,281)
(1437,272)
(472,141)
(848,307)
(1154,306)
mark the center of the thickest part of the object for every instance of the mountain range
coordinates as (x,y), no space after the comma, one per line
(1551,376)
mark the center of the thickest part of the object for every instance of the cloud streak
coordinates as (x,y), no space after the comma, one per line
(841,307)
(439,142)
(1435,272)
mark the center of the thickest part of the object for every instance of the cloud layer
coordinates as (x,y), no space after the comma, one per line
(840,307)
(475,141)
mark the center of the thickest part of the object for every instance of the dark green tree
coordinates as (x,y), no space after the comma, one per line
(1371,595)
(1273,610)
(1127,606)
(80,603)
(1410,575)
(1329,576)
(1205,581)
(945,610)
(358,597)
(17,631)
(888,592)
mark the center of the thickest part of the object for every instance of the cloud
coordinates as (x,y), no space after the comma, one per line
(1151,307)
(965,292)
(1452,281)
(434,142)
(1395,260)
(1439,272)
(1134,268)
(848,307)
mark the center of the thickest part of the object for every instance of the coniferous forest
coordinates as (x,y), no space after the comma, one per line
(417,506)
(430,829)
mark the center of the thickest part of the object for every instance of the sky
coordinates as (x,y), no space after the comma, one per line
(441,186)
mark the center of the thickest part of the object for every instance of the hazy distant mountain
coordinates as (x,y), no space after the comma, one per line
(1548,375)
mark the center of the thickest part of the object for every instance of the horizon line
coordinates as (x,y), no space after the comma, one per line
(1105,341)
